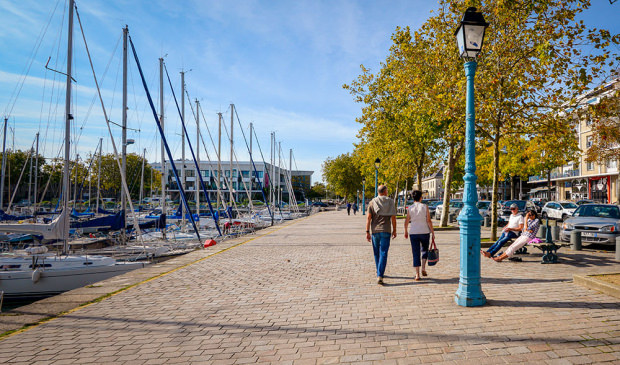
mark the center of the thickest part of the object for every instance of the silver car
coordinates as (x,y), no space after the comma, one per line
(598,223)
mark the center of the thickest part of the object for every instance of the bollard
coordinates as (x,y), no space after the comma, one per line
(555,233)
(487,221)
(575,240)
(542,232)
(617,248)
(450,218)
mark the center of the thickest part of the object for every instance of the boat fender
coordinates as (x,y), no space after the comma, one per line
(36,275)
(37,250)
(209,243)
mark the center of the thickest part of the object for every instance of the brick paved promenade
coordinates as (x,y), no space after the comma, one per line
(306,294)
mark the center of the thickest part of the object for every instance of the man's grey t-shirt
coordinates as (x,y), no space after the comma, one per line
(381,210)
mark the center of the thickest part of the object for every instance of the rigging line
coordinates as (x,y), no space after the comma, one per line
(260,185)
(217,183)
(204,145)
(92,103)
(287,180)
(239,172)
(18,88)
(105,114)
(220,193)
(264,165)
(161,133)
(191,149)
(30,152)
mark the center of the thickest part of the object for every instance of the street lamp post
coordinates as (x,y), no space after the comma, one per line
(363,196)
(377,165)
(357,198)
(470,36)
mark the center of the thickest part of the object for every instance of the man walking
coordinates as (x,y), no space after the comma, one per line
(381,222)
(348,208)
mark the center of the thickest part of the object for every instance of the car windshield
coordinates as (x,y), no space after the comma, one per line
(519,203)
(483,205)
(456,204)
(601,211)
(569,205)
(435,204)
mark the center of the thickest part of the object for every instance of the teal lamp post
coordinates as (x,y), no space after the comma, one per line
(363,196)
(377,165)
(469,36)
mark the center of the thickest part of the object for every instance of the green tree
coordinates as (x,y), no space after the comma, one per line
(342,175)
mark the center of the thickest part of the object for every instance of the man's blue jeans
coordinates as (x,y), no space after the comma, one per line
(505,237)
(380,246)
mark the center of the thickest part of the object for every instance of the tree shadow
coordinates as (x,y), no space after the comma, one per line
(552,304)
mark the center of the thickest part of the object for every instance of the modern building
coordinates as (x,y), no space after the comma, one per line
(583,180)
(245,177)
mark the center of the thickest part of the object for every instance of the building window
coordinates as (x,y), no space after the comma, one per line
(245,174)
(590,166)
(612,164)
(588,141)
(205,173)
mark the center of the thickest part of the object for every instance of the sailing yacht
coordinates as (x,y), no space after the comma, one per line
(34,271)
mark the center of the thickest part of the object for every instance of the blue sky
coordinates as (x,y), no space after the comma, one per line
(282,63)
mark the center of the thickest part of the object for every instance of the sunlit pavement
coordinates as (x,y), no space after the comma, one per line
(307,293)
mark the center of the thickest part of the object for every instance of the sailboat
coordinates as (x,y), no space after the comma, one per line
(34,271)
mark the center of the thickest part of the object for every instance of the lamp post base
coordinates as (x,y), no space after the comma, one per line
(469,295)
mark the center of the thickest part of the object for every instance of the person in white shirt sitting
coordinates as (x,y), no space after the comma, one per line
(510,231)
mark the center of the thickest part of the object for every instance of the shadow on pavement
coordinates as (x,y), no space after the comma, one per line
(567,305)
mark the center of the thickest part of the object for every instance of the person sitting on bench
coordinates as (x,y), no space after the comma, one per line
(512,229)
(532,223)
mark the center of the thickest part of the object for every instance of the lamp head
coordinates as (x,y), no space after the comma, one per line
(377,163)
(470,34)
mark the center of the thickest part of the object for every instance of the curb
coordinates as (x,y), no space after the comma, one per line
(591,282)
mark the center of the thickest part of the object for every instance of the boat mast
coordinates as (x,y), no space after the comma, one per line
(252,173)
(232,111)
(182,148)
(124,128)
(142,178)
(164,170)
(290,179)
(6,120)
(30,177)
(68,118)
(36,174)
(219,155)
(197,158)
(279,174)
(99,175)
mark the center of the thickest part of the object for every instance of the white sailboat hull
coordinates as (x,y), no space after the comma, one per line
(27,283)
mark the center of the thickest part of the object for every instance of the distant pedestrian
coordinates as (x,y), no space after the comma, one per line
(381,222)
(530,228)
(512,230)
(355,208)
(348,208)
(419,232)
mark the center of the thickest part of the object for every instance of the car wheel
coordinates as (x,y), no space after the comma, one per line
(544,215)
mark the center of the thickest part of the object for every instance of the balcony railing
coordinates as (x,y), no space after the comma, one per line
(555,175)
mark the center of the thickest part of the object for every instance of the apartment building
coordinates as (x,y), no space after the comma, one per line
(583,180)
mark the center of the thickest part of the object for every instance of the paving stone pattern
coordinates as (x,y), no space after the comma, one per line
(306,294)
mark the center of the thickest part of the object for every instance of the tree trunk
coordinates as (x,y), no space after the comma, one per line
(494,213)
(447,183)
(549,185)
(512,188)
(420,168)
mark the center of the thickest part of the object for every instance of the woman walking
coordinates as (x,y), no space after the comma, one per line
(419,232)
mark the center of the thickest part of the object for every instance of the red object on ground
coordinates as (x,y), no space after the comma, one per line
(209,243)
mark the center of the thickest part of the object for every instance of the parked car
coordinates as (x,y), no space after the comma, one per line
(483,207)
(524,206)
(538,205)
(599,223)
(558,210)
(319,204)
(585,201)
(432,207)
(439,208)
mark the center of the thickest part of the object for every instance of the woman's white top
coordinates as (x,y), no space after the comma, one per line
(417,218)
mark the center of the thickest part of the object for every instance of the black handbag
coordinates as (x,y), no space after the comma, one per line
(433,254)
